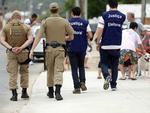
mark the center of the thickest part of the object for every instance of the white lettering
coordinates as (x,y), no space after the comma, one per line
(114,16)
(77,23)
(78,32)
(114,25)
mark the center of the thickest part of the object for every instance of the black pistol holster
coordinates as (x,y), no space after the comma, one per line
(55,44)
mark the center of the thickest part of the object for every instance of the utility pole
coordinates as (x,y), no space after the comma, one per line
(2,13)
(86,9)
(77,3)
(143,10)
(31,6)
(2,5)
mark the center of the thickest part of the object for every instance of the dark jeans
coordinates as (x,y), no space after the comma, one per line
(77,64)
(110,58)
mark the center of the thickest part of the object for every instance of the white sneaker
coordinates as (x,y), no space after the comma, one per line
(106,83)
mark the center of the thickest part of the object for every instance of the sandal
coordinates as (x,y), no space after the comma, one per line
(133,78)
(122,78)
(99,77)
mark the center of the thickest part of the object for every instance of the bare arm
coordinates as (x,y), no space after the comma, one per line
(4,43)
(98,34)
(35,43)
(69,37)
(37,40)
(142,48)
(33,23)
(69,32)
(89,35)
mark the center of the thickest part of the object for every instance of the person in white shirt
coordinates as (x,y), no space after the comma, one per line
(32,20)
(130,41)
(140,30)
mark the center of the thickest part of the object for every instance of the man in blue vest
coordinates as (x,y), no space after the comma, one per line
(110,29)
(77,49)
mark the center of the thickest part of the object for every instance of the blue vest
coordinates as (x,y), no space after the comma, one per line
(112,32)
(79,43)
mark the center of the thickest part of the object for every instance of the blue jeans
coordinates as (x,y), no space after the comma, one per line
(110,59)
(77,64)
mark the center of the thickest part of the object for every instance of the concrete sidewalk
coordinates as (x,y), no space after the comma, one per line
(131,97)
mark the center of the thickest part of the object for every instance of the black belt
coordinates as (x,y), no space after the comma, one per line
(55,45)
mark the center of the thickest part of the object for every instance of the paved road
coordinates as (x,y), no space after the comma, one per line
(6,106)
(131,97)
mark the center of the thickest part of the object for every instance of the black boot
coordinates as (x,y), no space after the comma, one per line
(50,93)
(24,93)
(57,93)
(14,95)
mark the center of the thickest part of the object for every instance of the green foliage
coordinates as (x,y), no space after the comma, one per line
(96,7)
(130,1)
(69,4)
(41,17)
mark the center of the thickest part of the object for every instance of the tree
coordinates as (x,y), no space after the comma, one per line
(69,4)
(96,7)
(130,1)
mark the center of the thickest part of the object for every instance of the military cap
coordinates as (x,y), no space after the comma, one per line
(54,5)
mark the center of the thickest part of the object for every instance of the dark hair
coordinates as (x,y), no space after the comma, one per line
(133,25)
(76,11)
(34,15)
(113,3)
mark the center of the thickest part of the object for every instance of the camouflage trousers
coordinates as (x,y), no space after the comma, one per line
(130,54)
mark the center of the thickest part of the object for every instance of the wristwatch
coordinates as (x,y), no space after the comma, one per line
(10,49)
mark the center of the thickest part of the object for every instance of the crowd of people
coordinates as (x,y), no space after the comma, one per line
(68,40)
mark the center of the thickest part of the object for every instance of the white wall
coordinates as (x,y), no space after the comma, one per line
(135,8)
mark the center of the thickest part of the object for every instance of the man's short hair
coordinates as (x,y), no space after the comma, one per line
(76,11)
(113,3)
(15,14)
(34,15)
(131,14)
(133,25)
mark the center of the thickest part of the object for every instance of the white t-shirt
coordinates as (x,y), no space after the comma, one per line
(100,22)
(34,30)
(130,39)
(88,28)
(27,21)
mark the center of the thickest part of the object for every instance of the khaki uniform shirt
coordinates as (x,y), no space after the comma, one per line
(56,28)
(15,36)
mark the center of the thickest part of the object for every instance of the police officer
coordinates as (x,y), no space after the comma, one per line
(57,30)
(16,36)
(77,49)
